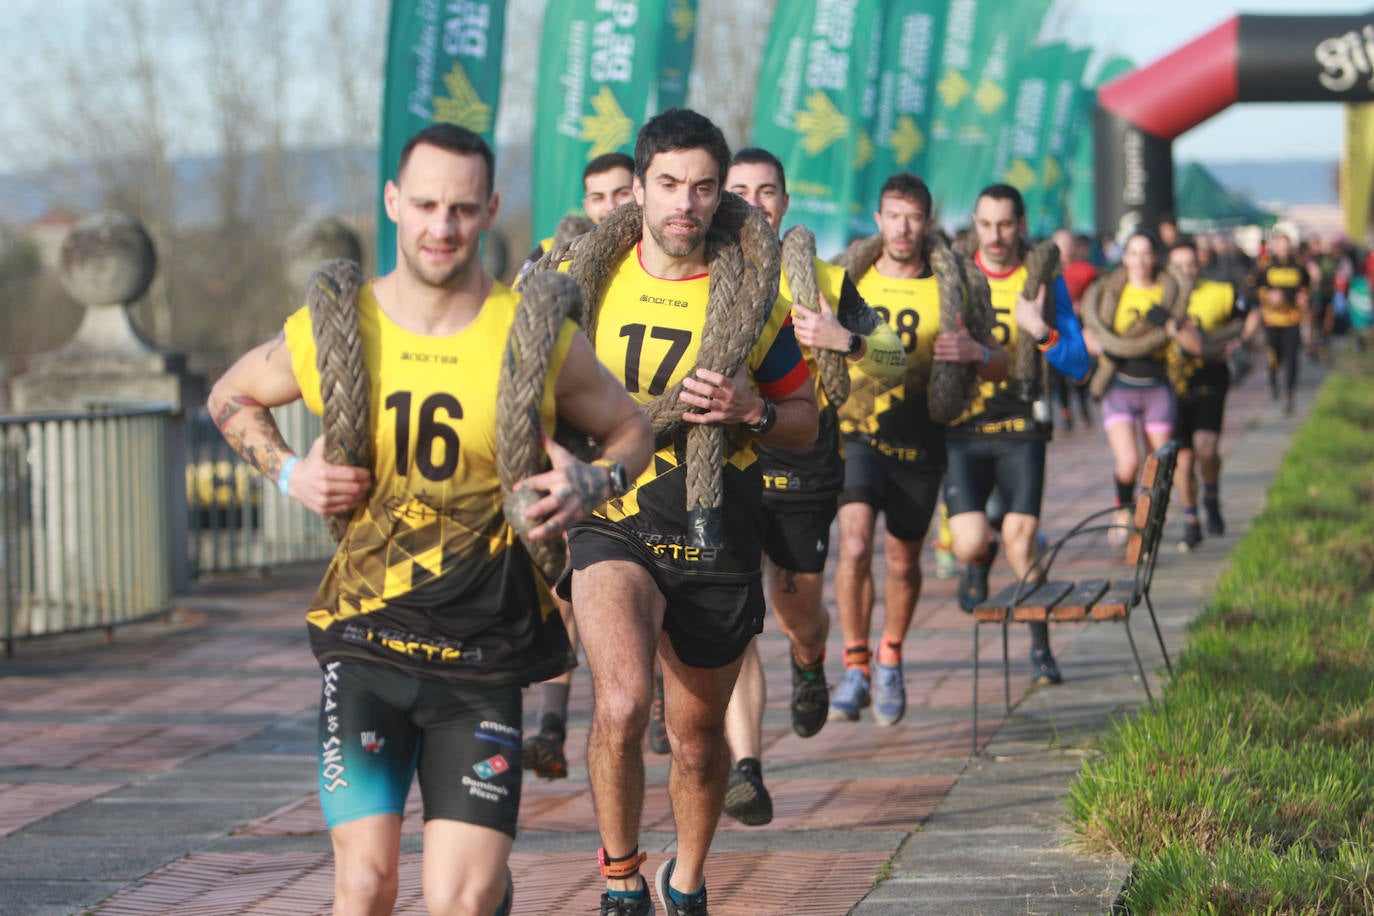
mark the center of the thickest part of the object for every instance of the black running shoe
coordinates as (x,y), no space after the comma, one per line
(665,873)
(658,728)
(619,906)
(1192,535)
(1044,669)
(810,697)
(542,754)
(1215,525)
(746,797)
(973,582)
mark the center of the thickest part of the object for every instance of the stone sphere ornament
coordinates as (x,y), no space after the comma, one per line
(107,259)
(310,244)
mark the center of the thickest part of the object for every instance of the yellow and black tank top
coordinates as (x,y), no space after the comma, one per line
(1288,278)
(815,476)
(429,578)
(891,413)
(1131,309)
(648,333)
(1211,305)
(1002,408)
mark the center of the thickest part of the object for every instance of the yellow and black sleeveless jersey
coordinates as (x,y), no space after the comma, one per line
(1211,305)
(429,577)
(891,413)
(1131,309)
(816,475)
(1288,278)
(648,333)
(1002,408)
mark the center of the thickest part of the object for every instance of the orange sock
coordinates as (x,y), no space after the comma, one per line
(856,655)
(889,653)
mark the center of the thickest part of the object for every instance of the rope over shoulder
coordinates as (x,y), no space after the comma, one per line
(1141,339)
(332,298)
(743,262)
(799,265)
(546,301)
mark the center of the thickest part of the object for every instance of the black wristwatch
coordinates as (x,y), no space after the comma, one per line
(856,343)
(766,421)
(615,474)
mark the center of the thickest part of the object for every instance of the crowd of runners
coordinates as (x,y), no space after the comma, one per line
(812,396)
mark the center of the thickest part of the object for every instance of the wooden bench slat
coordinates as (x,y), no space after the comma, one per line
(1039,603)
(1116,603)
(996,608)
(1079,601)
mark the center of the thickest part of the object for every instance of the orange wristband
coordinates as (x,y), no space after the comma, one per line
(1049,342)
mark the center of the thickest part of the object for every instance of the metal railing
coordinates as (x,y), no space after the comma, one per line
(236,519)
(85,521)
(96,529)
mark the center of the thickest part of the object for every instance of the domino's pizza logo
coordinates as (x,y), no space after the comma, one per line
(492,766)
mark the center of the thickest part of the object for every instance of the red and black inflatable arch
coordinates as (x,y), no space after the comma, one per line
(1245,59)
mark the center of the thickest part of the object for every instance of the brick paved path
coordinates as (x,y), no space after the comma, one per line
(171,771)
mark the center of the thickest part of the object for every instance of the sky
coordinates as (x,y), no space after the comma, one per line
(1143,30)
(1146,30)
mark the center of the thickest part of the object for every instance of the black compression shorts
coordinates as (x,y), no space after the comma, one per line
(1016,467)
(379,727)
(906,494)
(710,622)
(1201,413)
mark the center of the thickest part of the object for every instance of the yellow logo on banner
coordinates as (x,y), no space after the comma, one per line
(1020,175)
(989,97)
(907,140)
(953,89)
(1052,172)
(463,106)
(821,124)
(607,130)
(863,152)
(684,21)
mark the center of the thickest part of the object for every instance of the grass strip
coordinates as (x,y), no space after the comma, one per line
(1249,787)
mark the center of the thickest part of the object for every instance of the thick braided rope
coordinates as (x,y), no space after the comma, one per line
(743,262)
(1141,339)
(1041,263)
(799,265)
(546,300)
(332,297)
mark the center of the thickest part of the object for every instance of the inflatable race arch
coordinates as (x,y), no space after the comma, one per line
(1245,59)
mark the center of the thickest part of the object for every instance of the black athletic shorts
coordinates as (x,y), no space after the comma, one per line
(379,727)
(1016,467)
(1203,412)
(906,494)
(710,621)
(798,540)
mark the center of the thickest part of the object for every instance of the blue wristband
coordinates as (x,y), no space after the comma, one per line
(284,478)
(987,355)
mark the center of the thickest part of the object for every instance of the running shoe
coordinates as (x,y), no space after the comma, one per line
(658,728)
(973,583)
(889,699)
(746,797)
(1215,525)
(619,906)
(810,697)
(1120,531)
(665,874)
(850,697)
(946,565)
(1045,668)
(542,754)
(1192,535)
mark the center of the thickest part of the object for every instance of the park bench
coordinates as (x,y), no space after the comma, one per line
(1038,596)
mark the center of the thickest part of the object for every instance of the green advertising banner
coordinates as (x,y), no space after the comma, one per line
(984,42)
(1057,144)
(810,104)
(443,65)
(1018,157)
(1082,186)
(598,78)
(913,34)
(675,50)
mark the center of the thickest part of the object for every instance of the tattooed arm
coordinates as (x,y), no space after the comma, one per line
(240,404)
(595,402)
